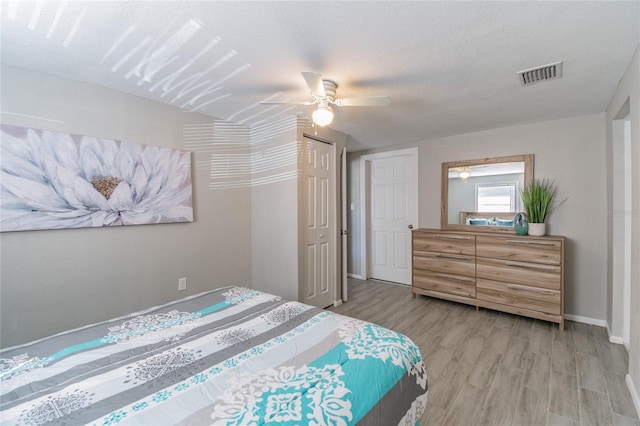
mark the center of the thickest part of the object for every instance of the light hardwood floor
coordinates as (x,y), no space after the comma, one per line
(491,368)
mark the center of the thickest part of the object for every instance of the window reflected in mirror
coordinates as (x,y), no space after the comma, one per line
(497,197)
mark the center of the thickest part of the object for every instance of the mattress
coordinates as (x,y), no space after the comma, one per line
(232,356)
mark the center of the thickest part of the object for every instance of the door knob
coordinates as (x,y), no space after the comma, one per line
(410,226)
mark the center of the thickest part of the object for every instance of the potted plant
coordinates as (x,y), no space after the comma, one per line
(537,197)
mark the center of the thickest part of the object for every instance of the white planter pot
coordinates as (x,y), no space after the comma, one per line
(537,229)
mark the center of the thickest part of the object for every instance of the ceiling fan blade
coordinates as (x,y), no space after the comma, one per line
(287,103)
(314,81)
(364,101)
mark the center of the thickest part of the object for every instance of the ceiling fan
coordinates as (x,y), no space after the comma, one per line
(463,172)
(324,94)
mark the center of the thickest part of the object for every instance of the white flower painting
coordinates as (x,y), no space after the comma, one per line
(52,180)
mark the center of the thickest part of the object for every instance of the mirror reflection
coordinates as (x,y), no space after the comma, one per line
(484,193)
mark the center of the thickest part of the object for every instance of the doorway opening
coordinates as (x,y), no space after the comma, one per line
(621,215)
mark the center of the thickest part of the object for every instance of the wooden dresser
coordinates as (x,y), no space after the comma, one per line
(522,275)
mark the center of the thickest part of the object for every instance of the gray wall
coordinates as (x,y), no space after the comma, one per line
(245,218)
(571,151)
(274,213)
(55,280)
(628,89)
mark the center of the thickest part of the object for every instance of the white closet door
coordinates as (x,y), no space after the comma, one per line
(320,224)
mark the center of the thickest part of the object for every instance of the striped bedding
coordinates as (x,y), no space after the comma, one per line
(232,356)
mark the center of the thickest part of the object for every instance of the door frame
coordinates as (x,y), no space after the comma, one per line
(343,228)
(365,192)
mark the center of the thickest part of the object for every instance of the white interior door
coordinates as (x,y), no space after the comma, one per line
(320,224)
(392,215)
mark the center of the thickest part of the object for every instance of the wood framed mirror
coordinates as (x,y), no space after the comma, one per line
(484,195)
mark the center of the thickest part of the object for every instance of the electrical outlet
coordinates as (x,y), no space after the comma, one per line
(182,284)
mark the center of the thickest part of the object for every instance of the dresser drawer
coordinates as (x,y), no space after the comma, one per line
(526,249)
(521,296)
(445,263)
(525,273)
(445,283)
(444,243)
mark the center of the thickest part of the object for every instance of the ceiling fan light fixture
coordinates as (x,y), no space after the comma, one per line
(323,115)
(464,175)
(323,92)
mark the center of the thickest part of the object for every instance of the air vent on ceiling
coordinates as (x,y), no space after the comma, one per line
(538,74)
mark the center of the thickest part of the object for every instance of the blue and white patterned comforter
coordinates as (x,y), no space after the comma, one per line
(231,356)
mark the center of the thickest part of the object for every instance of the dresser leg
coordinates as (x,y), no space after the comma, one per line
(477,308)
(561,325)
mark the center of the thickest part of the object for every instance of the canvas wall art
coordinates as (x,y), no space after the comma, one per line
(53,180)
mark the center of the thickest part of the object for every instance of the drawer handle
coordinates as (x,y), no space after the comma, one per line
(533,268)
(455,278)
(445,256)
(452,237)
(533,243)
(531,290)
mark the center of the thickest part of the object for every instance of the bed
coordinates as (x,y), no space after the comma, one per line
(487,218)
(231,356)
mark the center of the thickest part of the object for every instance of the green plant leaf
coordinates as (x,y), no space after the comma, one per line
(537,198)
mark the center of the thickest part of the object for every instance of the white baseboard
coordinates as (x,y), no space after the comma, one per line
(614,339)
(356,276)
(634,393)
(601,323)
(586,320)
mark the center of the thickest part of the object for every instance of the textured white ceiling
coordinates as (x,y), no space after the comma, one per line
(449,67)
